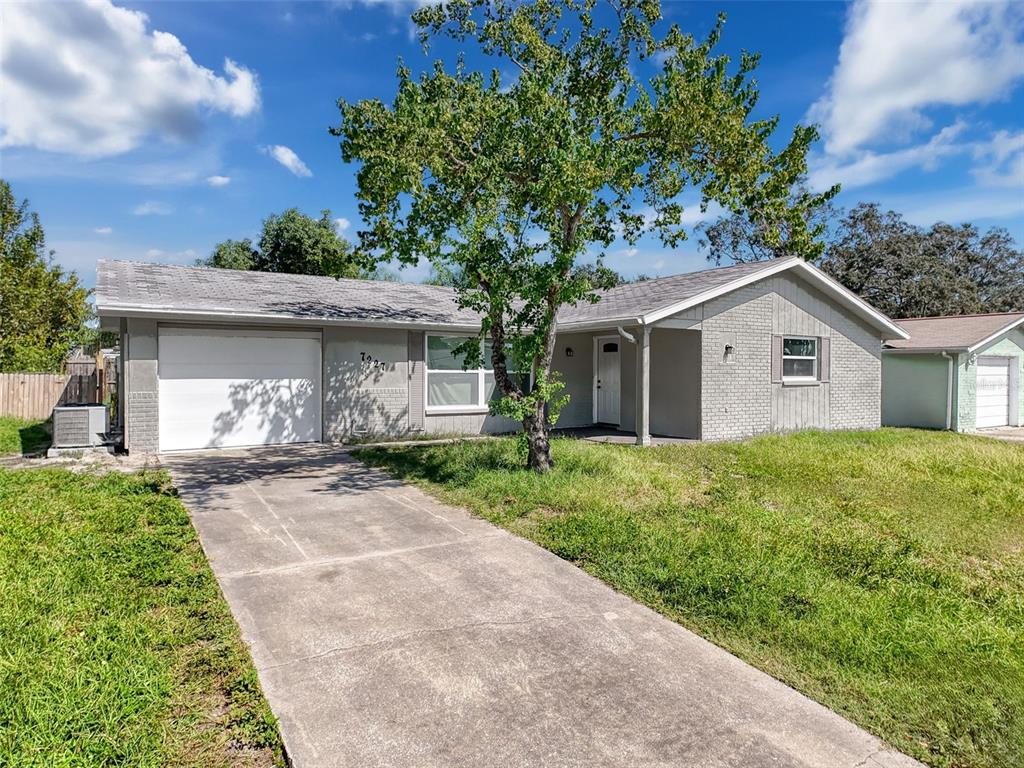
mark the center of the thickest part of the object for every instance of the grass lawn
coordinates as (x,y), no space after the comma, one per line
(20,436)
(117,647)
(881,573)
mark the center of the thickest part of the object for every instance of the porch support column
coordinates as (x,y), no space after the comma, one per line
(643,386)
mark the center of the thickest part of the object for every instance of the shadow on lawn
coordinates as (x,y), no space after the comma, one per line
(34,438)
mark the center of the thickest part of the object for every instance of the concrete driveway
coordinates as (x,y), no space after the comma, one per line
(391,630)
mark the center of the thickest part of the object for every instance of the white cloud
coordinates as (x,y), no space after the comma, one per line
(898,59)
(867,167)
(152,208)
(103,230)
(1001,160)
(288,159)
(171,257)
(218,181)
(91,79)
(341,224)
(958,205)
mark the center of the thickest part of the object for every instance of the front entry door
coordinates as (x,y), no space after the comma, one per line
(607,384)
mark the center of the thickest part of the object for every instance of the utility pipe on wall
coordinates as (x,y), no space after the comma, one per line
(949,389)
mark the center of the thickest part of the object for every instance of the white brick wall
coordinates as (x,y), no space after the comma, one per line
(736,392)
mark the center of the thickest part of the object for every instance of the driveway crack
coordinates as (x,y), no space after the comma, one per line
(433,631)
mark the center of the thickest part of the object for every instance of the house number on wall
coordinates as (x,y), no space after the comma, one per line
(371,362)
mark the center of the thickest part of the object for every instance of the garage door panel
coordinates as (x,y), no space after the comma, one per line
(992,393)
(222,389)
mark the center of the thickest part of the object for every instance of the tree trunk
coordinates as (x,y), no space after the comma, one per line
(539,456)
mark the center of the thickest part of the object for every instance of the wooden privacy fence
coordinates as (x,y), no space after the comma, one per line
(34,395)
(30,395)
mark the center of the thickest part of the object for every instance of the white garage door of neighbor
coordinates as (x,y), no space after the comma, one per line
(993,393)
(230,388)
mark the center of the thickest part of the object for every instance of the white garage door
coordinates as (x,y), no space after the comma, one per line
(993,392)
(223,388)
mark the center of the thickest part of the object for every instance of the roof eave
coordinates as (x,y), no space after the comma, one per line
(170,314)
(922,350)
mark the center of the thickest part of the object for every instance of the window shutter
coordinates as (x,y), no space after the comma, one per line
(824,358)
(776,359)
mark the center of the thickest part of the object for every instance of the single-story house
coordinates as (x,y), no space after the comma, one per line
(962,373)
(226,358)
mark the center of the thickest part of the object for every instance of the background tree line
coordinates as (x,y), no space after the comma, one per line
(902,269)
(44,310)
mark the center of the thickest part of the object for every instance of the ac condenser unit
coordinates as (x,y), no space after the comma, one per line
(80,426)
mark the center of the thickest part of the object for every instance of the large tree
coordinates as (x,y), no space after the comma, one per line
(293,243)
(43,309)
(902,269)
(511,181)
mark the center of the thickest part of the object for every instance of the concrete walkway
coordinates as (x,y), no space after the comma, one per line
(391,630)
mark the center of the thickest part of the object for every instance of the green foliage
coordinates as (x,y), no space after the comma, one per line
(878,572)
(43,309)
(902,269)
(232,254)
(118,646)
(291,243)
(743,237)
(910,271)
(508,184)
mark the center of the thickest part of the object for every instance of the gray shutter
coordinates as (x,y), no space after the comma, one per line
(824,358)
(776,359)
(417,381)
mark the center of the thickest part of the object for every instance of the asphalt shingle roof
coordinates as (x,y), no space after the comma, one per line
(142,285)
(636,299)
(953,332)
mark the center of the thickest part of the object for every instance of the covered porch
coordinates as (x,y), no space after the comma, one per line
(599,434)
(636,384)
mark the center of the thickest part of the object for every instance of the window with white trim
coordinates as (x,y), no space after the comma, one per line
(799,358)
(450,387)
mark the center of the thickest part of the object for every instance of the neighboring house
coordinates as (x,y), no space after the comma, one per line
(962,373)
(227,358)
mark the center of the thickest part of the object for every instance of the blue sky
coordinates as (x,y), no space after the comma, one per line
(154,130)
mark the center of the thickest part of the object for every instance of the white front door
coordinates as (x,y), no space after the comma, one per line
(993,392)
(607,384)
(221,387)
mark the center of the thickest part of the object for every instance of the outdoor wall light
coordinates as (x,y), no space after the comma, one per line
(569,352)
(729,349)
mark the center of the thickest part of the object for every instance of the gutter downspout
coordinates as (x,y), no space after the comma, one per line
(949,389)
(626,335)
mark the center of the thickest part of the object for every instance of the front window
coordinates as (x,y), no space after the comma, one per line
(799,358)
(451,387)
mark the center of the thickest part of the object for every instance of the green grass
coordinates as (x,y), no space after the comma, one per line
(881,573)
(20,436)
(116,646)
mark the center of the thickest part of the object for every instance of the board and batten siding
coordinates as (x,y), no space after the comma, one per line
(738,395)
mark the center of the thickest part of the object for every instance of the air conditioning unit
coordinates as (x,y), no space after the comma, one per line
(80,426)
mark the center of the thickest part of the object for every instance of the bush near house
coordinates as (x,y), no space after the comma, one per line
(118,648)
(881,573)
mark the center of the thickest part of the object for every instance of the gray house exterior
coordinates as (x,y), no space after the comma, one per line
(962,373)
(221,358)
